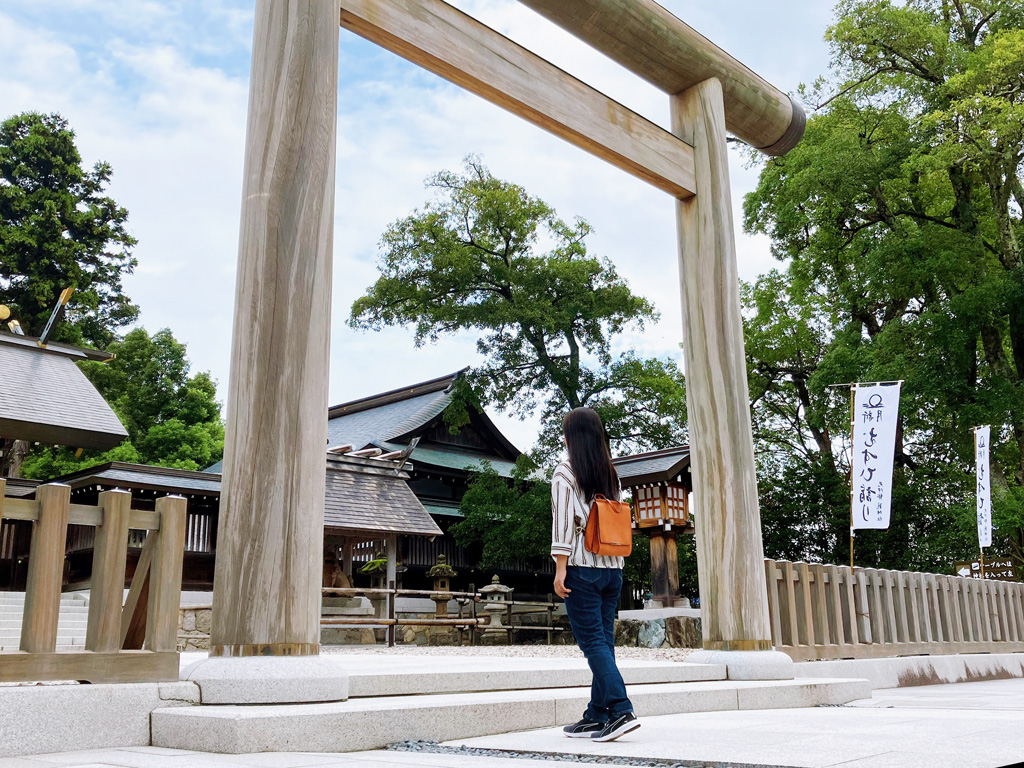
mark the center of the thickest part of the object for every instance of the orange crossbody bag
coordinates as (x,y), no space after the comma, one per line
(609,528)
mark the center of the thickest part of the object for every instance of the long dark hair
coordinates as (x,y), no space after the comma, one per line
(589,456)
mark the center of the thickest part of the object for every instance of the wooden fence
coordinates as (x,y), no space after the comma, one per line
(835,612)
(118,628)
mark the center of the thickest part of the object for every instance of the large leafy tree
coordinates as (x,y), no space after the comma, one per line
(173,418)
(488,258)
(900,217)
(58,229)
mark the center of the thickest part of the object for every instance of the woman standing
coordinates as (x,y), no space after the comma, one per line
(589,583)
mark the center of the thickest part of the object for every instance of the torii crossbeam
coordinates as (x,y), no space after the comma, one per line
(267,582)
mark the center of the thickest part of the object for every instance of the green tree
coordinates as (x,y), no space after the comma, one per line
(900,217)
(57,230)
(508,521)
(173,418)
(472,260)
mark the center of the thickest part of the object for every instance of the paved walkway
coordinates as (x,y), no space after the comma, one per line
(966,725)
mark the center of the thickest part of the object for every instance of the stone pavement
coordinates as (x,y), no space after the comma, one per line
(963,725)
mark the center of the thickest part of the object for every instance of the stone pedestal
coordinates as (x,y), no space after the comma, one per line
(268,680)
(346,606)
(748,665)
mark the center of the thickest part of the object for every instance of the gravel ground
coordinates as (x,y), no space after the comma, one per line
(513,651)
(560,757)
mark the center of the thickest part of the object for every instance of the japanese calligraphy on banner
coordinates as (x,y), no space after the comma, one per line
(875,412)
(984,488)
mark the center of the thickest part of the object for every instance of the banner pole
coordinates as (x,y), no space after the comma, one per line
(982,563)
(853,439)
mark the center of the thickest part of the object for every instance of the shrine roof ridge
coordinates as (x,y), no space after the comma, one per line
(439,384)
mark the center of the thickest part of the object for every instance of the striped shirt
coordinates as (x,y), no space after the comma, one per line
(567,504)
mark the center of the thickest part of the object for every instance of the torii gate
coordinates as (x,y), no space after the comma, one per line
(267,582)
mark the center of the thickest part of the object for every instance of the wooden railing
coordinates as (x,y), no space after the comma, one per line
(465,623)
(391,620)
(118,629)
(835,612)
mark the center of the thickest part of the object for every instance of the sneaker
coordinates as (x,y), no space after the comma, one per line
(584,729)
(617,727)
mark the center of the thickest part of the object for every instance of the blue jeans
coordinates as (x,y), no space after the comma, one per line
(591,607)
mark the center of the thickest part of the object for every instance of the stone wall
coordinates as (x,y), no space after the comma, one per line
(194,629)
(669,632)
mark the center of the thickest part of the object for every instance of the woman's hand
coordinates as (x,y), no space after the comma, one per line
(560,588)
(560,565)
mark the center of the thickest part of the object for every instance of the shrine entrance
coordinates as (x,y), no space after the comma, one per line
(267,587)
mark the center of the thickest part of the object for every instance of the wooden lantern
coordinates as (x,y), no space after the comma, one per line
(660,485)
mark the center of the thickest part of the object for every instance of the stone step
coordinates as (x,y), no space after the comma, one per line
(11,605)
(62,621)
(399,677)
(372,722)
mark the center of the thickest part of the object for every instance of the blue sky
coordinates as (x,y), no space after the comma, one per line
(159,90)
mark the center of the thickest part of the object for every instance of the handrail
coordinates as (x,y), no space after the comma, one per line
(78,514)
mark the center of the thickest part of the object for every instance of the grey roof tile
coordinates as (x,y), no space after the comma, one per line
(361,501)
(46,398)
(365,428)
(655,463)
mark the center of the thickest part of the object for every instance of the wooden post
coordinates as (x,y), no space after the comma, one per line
(46,569)
(106,589)
(347,558)
(165,575)
(267,581)
(730,554)
(664,568)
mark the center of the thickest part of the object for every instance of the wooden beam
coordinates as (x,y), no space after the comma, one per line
(123,667)
(460,49)
(651,42)
(136,605)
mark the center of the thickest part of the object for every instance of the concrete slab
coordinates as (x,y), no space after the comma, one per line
(48,718)
(971,725)
(369,723)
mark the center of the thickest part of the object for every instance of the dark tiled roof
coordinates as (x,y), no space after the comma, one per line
(124,474)
(653,467)
(45,398)
(17,487)
(374,502)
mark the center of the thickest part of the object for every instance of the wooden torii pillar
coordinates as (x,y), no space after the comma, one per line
(266,589)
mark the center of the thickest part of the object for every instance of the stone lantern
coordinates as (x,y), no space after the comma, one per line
(495,591)
(441,573)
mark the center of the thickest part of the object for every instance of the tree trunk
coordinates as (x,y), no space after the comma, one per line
(15,452)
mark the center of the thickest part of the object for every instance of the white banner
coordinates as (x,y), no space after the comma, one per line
(984,487)
(875,412)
